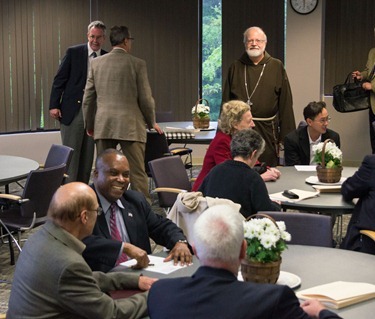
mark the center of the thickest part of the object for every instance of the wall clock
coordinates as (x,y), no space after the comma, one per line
(304,6)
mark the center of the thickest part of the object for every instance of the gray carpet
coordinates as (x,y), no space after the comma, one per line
(7,271)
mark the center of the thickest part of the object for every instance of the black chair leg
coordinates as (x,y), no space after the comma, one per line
(11,250)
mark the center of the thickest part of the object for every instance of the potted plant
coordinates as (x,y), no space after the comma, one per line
(201,114)
(329,159)
(266,240)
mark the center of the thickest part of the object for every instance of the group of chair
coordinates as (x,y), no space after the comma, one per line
(20,213)
(171,178)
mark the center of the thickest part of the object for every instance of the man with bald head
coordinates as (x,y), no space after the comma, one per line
(52,280)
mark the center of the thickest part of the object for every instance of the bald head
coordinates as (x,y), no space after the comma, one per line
(69,200)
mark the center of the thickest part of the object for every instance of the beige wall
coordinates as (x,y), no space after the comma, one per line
(304,64)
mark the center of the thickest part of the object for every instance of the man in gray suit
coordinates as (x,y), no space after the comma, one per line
(118,104)
(52,280)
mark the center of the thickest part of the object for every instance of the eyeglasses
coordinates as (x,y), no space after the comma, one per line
(255,41)
(99,210)
(131,39)
(324,120)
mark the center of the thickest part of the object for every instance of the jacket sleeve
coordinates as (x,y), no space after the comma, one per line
(291,152)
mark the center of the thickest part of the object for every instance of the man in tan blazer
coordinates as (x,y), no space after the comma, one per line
(118,104)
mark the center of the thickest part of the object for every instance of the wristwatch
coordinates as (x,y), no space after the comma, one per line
(183,241)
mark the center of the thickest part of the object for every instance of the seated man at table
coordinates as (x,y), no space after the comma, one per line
(235,178)
(52,280)
(298,143)
(214,291)
(361,185)
(127,222)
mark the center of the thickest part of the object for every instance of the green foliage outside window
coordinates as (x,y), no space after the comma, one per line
(212,55)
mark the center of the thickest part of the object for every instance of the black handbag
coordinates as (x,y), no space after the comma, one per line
(350,96)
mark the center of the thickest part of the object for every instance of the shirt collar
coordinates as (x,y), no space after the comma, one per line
(105,204)
(90,51)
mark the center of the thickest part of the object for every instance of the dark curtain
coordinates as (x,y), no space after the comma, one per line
(238,15)
(348,37)
(36,33)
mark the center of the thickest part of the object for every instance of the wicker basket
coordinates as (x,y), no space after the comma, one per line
(328,175)
(258,272)
(200,122)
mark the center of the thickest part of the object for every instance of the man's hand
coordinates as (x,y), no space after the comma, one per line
(157,128)
(312,307)
(180,251)
(357,75)
(90,132)
(145,282)
(138,254)
(55,113)
(271,174)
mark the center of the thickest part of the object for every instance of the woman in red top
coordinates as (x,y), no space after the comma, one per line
(235,116)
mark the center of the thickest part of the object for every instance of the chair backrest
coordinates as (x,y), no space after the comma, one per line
(156,147)
(39,189)
(305,228)
(58,154)
(169,172)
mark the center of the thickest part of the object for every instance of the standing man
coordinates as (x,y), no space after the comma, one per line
(299,143)
(118,105)
(66,101)
(52,280)
(262,82)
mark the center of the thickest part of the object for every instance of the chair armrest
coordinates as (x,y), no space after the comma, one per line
(11,197)
(168,190)
(369,233)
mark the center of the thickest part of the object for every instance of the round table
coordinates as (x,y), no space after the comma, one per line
(15,168)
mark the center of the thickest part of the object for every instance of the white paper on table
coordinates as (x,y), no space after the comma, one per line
(305,168)
(158,265)
(301,193)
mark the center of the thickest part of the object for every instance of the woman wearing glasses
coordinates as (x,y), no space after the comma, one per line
(298,144)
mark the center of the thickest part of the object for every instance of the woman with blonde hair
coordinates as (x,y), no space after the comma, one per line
(235,116)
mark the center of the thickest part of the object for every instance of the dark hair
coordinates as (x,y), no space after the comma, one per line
(102,155)
(97,24)
(313,109)
(118,34)
(245,142)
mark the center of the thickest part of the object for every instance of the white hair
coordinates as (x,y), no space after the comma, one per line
(218,234)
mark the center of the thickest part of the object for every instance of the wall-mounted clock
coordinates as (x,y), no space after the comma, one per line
(304,6)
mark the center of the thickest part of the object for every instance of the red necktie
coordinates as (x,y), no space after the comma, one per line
(115,232)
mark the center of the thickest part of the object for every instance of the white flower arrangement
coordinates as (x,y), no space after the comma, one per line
(203,111)
(265,240)
(332,154)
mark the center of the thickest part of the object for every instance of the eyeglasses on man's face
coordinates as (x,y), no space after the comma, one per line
(324,120)
(255,41)
(99,210)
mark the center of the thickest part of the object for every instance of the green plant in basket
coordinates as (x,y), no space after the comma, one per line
(265,239)
(201,110)
(332,154)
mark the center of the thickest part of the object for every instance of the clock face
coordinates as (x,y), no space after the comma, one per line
(304,6)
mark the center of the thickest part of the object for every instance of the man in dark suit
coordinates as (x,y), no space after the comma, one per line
(66,101)
(52,280)
(298,144)
(214,291)
(361,185)
(134,218)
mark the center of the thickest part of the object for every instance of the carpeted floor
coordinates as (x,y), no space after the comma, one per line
(7,271)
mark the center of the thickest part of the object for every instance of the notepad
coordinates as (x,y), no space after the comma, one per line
(339,294)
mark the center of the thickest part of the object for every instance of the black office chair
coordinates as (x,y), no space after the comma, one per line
(57,155)
(30,209)
(305,228)
(170,178)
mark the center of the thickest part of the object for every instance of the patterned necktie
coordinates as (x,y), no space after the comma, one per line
(115,232)
(94,55)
